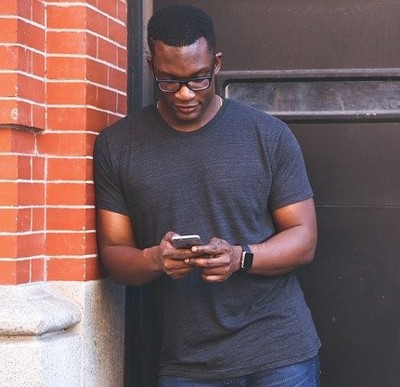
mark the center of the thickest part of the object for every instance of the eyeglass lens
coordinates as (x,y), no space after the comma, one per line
(193,84)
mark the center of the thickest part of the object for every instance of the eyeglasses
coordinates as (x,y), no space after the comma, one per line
(194,84)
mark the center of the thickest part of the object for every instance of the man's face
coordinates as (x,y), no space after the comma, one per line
(186,109)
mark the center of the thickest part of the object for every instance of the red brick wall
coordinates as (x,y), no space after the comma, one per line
(62,79)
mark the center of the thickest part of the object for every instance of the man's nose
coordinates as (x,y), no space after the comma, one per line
(185,93)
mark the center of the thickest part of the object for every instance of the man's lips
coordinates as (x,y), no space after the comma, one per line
(186,108)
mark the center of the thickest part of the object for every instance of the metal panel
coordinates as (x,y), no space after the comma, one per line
(353,289)
(317,96)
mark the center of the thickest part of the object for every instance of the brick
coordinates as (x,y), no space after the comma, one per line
(38,11)
(89,171)
(38,219)
(25,113)
(9,57)
(31,88)
(24,220)
(97,72)
(9,30)
(108,7)
(8,246)
(69,194)
(101,98)
(38,117)
(67,144)
(8,194)
(122,11)
(38,64)
(66,93)
(96,120)
(122,58)
(30,245)
(117,32)
(8,272)
(66,42)
(75,244)
(68,169)
(97,22)
(93,269)
(30,62)
(73,269)
(90,143)
(122,104)
(8,167)
(31,194)
(92,45)
(73,219)
(67,118)
(8,84)
(8,7)
(5,139)
(9,219)
(24,167)
(23,141)
(38,168)
(9,112)
(73,17)
(25,9)
(23,271)
(117,79)
(15,167)
(38,270)
(31,35)
(107,51)
(112,118)
(62,67)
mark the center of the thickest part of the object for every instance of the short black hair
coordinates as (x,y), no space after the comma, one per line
(179,26)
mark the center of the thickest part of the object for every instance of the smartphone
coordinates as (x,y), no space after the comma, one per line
(186,241)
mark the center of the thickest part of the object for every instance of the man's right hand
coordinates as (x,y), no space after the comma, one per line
(171,260)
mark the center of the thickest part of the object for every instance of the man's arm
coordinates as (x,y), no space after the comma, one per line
(129,265)
(293,245)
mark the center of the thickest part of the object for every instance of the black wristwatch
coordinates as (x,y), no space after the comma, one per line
(246,260)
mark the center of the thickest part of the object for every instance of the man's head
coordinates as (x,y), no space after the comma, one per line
(184,65)
(179,26)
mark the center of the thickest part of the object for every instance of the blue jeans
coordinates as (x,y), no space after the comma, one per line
(304,374)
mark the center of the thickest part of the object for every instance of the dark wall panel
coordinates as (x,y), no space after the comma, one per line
(352,164)
(353,287)
(304,34)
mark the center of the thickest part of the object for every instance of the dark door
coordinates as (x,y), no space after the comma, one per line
(330,68)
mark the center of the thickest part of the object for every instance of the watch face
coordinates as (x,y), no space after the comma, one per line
(247,260)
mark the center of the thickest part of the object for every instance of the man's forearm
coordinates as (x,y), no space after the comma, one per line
(130,266)
(284,252)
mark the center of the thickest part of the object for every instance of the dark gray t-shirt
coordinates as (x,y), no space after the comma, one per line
(222,180)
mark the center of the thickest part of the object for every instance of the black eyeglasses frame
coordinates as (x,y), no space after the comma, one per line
(185,82)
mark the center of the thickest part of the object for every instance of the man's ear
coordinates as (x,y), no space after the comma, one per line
(149,60)
(218,62)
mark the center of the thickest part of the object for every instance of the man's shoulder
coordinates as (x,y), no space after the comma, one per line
(126,125)
(259,120)
(254,113)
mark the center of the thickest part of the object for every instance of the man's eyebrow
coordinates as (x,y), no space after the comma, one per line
(198,74)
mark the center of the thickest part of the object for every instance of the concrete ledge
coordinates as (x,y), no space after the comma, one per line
(32,310)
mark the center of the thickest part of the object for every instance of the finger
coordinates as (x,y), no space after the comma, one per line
(207,262)
(212,278)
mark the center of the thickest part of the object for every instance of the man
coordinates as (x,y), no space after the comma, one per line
(231,311)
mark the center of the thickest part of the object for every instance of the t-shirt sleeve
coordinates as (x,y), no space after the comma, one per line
(290,183)
(108,188)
